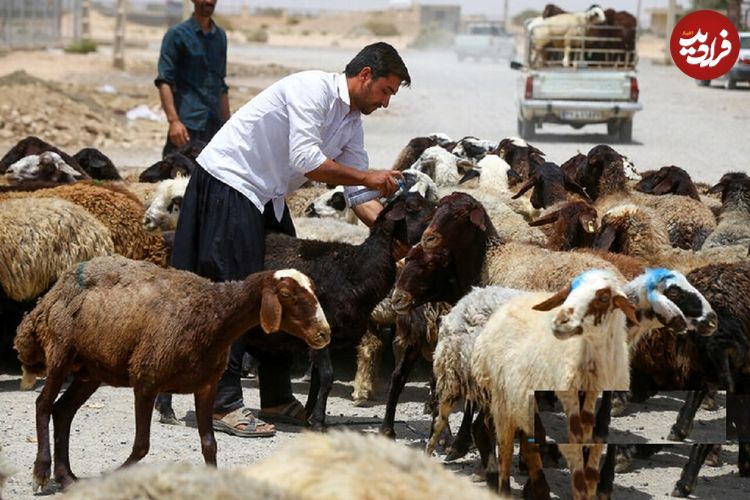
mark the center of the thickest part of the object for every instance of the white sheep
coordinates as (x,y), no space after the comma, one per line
(47,166)
(441,165)
(164,210)
(331,205)
(347,465)
(573,341)
(330,230)
(565,27)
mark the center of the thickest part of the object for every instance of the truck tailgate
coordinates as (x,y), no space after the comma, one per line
(591,85)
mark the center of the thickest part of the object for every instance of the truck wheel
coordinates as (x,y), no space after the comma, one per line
(525,128)
(730,84)
(626,130)
(703,83)
(613,128)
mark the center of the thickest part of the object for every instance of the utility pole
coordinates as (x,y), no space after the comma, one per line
(671,11)
(119,46)
(86,19)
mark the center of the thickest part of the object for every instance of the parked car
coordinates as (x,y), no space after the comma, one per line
(740,72)
(484,39)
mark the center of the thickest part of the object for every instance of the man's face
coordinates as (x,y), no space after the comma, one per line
(204,8)
(374,93)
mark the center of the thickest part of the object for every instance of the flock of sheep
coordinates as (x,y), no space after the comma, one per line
(589,279)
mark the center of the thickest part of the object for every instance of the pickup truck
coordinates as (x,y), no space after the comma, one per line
(484,40)
(598,85)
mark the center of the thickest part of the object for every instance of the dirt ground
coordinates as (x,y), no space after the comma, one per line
(63,98)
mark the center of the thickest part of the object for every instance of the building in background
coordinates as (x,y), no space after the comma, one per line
(444,17)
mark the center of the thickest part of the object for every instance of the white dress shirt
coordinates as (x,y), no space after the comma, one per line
(289,129)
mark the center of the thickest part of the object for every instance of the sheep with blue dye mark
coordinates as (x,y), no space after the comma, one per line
(573,341)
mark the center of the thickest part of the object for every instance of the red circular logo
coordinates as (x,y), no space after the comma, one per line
(704,45)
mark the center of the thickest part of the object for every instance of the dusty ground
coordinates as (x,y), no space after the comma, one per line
(67,107)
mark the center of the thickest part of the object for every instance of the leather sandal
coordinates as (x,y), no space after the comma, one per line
(233,422)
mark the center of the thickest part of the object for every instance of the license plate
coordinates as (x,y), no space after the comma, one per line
(581,115)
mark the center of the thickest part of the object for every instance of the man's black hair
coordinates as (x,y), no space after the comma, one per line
(383,59)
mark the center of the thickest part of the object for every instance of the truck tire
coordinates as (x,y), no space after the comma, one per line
(613,128)
(730,84)
(626,130)
(525,128)
(703,83)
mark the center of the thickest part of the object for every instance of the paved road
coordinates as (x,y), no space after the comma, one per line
(703,130)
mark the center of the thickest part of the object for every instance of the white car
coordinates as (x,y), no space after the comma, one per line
(740,72)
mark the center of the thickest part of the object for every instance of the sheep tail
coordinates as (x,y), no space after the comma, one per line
(30,352)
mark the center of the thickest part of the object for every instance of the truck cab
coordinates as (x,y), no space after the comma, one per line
(597,84)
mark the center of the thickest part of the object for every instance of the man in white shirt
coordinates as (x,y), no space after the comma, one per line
(305,126)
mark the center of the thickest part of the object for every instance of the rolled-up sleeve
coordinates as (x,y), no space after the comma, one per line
(167,59)
(306,110)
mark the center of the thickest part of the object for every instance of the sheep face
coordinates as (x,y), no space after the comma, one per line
(678,304)
(420,280)
(330,204)
(47,166)
(289,304)
(164,210)
(589,299)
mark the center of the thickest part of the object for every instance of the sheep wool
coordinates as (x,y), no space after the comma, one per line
(40,238)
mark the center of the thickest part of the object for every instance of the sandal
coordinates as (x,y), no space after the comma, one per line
(292,413)
(231,424)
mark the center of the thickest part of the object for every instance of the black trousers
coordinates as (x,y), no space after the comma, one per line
(205,135)
(221,235)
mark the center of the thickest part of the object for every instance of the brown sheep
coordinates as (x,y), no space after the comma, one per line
(95,325)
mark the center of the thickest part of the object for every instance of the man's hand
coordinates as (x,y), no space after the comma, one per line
(383,180)
(178,134)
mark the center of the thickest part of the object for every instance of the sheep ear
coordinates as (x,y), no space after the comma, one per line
(270,312)
(553,301)
(547,219)
(476,217)
(574,187)
(397,211)
(622,303)
(717,188)
(470,174)
(70,171)
(606,238)
(662,187)
(525,187)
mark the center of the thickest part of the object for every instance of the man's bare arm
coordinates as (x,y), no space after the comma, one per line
(224,106)
(331,172)
(178,134)
(368,211)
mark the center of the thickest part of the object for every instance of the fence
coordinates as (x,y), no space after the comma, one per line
(28,24)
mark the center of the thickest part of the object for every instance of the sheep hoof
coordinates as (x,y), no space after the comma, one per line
(360,402)
(389,433)
(680,491)
(676,435)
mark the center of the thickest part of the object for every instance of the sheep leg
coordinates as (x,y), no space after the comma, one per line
(460,445)
(324,374)
(573,454)
(368,358)
(571,406)
(588,409)
(63,412)
(689,476)
(398,381)
(505,434)
(607,474)
(603,418)
(591,471)
(681,429)
(44,402)
(204,404)
(536,486)
(484,439)
(438,423)
(144,401)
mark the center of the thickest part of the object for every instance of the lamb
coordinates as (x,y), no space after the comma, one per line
(668,180)
(47,166)
(565,27)
(331,204)
(164,210)
(441,165)
(348,465)
(64,335)
(173,165)
(32,145)
(473,148)
(734,220)
(118,210)
(97,164)
(586,334)
(415,147)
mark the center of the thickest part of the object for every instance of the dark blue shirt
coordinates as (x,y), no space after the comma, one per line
(194,64)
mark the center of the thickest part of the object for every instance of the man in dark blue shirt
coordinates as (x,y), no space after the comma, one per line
(192,68)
